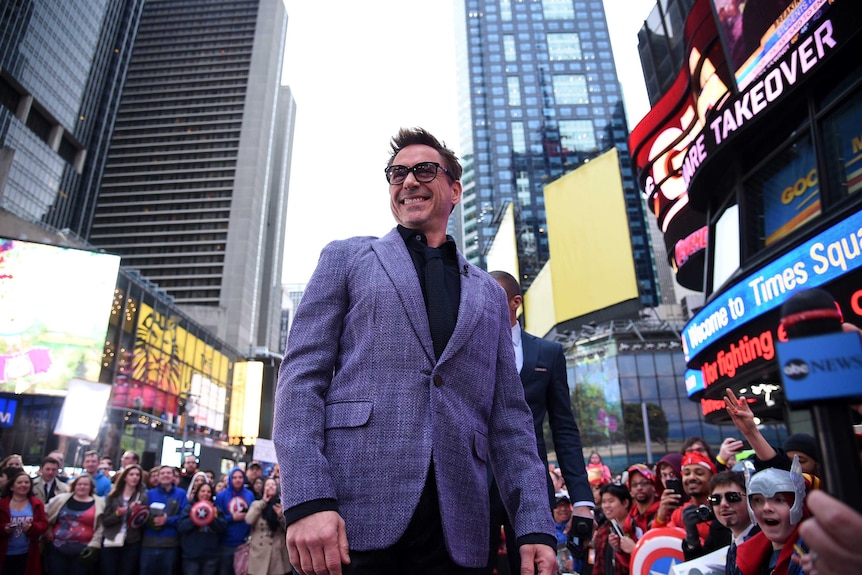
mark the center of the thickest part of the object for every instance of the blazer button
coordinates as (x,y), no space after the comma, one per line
(438,381)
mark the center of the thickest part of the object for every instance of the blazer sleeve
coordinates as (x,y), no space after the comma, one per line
(521,475)
(304,378)
(564,429)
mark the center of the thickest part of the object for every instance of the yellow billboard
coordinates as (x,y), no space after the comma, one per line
(503,253)
(591,263)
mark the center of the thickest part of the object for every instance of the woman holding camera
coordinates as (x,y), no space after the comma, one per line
(267,548)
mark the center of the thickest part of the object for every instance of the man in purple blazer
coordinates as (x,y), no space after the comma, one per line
(397,391)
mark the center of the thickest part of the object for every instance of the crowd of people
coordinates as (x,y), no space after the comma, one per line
(753,505)
(161,521)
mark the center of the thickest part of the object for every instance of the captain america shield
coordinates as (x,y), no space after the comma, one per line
(202,513)
(658,551)
(138,515)
(237,505)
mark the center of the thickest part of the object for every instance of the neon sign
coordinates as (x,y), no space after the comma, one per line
(823,258)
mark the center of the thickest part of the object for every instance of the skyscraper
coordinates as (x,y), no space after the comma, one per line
(62,66)
(195,185)
(543,95)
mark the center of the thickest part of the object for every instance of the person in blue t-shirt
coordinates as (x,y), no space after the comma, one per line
(91,465)
(234,502)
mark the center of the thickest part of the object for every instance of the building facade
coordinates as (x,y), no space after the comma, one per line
(544,98)
(620,371)
(62,68)
(195,184)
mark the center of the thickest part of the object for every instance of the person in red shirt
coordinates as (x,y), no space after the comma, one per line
(697,470)
(641,485)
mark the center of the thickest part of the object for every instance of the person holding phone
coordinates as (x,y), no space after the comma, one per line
(615,539)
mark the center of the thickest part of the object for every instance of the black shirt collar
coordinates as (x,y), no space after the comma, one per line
(416,240)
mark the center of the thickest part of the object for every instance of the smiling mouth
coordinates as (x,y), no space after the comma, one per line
(408,201)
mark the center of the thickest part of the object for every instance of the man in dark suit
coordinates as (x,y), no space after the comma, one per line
(398,389)
(542,367)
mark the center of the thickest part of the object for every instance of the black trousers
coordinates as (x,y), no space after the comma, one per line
(420,551)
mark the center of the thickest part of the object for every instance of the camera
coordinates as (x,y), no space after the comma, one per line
(704,513)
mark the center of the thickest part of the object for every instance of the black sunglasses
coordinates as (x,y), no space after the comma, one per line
(423,172)
(730,496)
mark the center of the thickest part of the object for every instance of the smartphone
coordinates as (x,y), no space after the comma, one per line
(615,526)
(674,484)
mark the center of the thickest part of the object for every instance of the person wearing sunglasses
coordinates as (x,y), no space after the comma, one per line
(400,357)
(727,499)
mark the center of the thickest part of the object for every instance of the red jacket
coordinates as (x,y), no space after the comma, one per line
(644,522)
(40,526)
(752,557)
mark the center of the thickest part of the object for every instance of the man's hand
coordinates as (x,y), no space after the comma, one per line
(831,536)
(317,544)
(740,412)
(668,503)
(536,555)
(239,516)
(691,519)
(730,447)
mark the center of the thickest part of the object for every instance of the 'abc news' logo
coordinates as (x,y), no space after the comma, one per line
(796,369)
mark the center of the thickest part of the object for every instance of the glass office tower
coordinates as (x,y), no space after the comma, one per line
(62,67)
(543,96)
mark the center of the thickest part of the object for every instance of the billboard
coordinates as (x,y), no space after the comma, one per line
(55,303)
(592,267)
(660,141)
(756,33)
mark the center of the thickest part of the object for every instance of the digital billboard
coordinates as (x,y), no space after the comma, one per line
(55,304)
(756,33)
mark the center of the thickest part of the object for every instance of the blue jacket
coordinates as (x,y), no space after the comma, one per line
(102,484)
(175,501)
(236,531)
(200,542)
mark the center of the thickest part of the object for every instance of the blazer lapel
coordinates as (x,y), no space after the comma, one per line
(396,262)
(468,311)
(531,354)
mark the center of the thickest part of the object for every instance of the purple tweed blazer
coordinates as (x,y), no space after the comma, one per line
(362,406)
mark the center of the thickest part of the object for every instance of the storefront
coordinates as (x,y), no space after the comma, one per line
(770,154)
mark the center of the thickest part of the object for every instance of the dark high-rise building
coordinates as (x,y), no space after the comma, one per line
(661,45)
(62,67)
(195,185)
(543,98)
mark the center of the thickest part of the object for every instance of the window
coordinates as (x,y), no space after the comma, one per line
(519,144)
(509,50)
(577,135)
(558,9)
(789,190)
(841,131)
(506,10)
(514,86)
(570,89)
(564,47)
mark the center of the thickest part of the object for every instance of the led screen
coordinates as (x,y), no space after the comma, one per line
(54,308)
(756,33)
